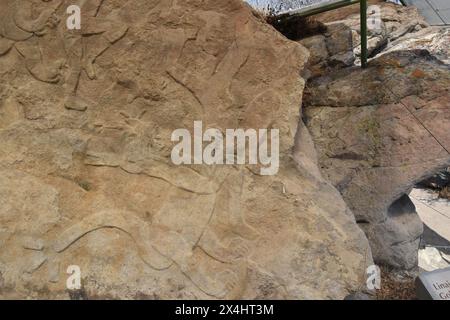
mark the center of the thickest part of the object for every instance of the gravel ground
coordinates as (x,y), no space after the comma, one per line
(397,285)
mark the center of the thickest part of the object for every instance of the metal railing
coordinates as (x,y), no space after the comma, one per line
(332,5)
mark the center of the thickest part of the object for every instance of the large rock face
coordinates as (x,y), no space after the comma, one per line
(86,177)
(378,132)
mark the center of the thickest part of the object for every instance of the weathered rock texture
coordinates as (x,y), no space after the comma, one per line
(329,51)
(387,23)
(86,179)
(435,40)
(378,132)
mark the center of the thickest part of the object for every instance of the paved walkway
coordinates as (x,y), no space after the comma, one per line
(435,245)
(436,12)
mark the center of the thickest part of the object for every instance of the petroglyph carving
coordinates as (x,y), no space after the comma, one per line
(81,54)
(170,240)
(99,189)
(47,47)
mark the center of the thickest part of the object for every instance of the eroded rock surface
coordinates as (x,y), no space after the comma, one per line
(333,49)
(86,179)
(378,132)
(435,40)
(387,23)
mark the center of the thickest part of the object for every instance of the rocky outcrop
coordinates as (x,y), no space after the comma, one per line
(86,179)
(364,99)
(330,50)
(378,132)
(387,23)
(435,40)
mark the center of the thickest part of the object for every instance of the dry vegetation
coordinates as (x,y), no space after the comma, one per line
(445,193)
(297,28)
(294,28)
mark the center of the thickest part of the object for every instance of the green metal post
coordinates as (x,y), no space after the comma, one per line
(363,22)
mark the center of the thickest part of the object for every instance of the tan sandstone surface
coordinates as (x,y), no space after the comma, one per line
(86,178)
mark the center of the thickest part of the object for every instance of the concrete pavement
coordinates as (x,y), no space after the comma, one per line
(436,12)
(434,252)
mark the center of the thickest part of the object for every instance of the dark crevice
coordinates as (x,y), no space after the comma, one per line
(297,28)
